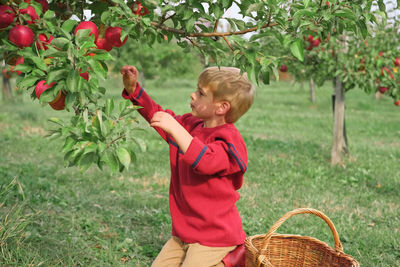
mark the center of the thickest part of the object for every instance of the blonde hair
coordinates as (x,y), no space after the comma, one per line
(228,84)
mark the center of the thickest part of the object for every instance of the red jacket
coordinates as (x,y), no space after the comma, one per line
(204,180)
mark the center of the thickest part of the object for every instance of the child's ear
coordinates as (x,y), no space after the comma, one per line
(223,108)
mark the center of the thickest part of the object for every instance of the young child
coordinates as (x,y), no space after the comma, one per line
(207,158)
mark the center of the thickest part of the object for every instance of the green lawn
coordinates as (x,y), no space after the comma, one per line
(99,219)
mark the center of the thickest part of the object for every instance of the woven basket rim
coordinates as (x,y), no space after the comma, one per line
(249,244)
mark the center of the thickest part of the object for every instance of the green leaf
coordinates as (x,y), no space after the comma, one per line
(297,49)
(50,26)
(57,121)
(306,3)
(39,63)
(382,6)
(68,25)
(104,56)
(123,156)
(74,81)
(104,16)
(28,81)
(23,68)
(190,24)
(60,42)
(345,13)
(48,15)
(98,68)
(90,147)
(99,115)
(56,75)
(265,76)
(68,145)
(109,159)
(109,106)
(101,147)
(140,143)
(85,160)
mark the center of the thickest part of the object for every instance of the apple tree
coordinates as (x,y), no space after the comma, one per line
(64,57)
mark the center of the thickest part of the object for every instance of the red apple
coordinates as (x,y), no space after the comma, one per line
(59,102)
(113,36)
(84,75)
(44,40)
(327,3)
(138,9)
(88,25)
(316,42)
(283,68)
(43,3)
(396,61)
(397,103)
(310,38)
(383,90)
(7,16)
(41,86)
(381,53)
(31,12)
(103,44)
(21,36)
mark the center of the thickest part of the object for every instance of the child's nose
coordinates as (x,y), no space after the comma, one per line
(192,95)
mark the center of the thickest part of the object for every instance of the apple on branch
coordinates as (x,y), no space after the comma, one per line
(113,36)
(43,3)
(7,16)
(102,43)
(88,25)
(30,10)
(138,9)
(84,75)
(58,103)
(21,36)
(383,89)
(43,41)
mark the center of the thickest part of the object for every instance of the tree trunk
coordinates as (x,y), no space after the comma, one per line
(312,90)
(339,137)
(6,89)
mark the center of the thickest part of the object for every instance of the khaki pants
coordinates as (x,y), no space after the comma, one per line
(176,253)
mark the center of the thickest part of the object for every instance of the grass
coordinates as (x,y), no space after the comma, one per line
(99,219)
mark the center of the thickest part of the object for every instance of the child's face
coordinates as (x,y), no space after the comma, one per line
(202,104)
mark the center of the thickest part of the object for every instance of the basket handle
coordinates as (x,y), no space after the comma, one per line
(277,224)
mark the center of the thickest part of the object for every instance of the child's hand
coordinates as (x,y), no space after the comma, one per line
(164,121)
(129,77)
(167,123)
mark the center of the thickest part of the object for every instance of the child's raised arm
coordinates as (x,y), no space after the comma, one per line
(129,77)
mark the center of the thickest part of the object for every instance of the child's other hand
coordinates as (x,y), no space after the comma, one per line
(164,121)
(129,77)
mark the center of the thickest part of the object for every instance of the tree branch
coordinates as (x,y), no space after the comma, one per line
(213,34)
(230,46)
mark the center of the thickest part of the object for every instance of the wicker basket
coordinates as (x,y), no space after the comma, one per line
(274,249)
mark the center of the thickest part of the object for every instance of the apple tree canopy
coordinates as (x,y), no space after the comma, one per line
(75,61)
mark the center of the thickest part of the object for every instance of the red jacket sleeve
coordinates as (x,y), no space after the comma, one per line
(140,98)
(217,158)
